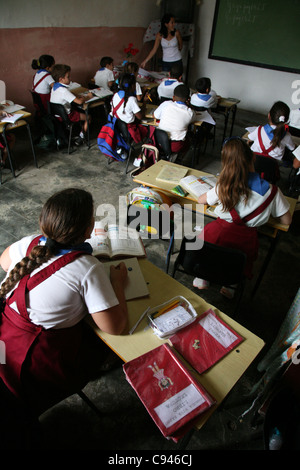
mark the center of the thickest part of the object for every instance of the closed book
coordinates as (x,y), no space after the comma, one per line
(169,392)
(205,341)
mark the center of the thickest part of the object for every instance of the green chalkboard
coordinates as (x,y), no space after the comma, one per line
(257,32)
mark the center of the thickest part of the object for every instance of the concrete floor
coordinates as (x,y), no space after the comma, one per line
(124,424)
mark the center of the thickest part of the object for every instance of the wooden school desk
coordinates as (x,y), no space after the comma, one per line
(218,380)
(272,229)
(227,107)
(5,127)
(87,106)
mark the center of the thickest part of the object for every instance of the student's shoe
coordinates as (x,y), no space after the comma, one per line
(78,141)
(200,283)
(137,162)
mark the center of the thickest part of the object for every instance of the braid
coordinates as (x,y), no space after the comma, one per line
(37,256)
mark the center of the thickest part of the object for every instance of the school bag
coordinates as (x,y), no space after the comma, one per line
(149,153)
(109,140)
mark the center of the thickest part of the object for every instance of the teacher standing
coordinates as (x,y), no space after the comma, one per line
(171,42)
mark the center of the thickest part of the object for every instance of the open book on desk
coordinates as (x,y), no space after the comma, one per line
(196,186)
(12,119)
(113,241)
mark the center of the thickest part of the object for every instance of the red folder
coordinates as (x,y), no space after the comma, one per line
(171,395)
(205,341)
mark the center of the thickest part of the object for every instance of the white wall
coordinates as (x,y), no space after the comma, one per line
(256,87)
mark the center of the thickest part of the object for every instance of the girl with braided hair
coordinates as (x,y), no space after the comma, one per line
(52,283)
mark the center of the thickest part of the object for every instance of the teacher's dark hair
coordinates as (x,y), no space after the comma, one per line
(165,20)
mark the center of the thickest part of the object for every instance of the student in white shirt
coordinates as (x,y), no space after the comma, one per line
(245,201)
(273,139)
(175,116)
(124,106)
(60,94)
(205,96)
(43,80)
(166,88)
(48,318)
(104,77)
(133,69)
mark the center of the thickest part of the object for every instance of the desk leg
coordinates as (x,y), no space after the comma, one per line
(234,108)
(225,124)
(8,153)
(32,146)
(88,126)
(265,263)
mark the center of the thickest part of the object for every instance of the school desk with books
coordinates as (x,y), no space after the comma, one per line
(219,379)
(115,241)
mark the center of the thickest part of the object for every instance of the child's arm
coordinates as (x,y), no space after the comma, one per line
(114,320)
(202,199)
(82,99)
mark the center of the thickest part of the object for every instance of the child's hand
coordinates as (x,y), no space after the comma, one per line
(119,271)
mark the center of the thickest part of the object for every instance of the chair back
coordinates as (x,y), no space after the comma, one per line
(266,167)
(217,264)
(37,102)
(162,142)
(60,110)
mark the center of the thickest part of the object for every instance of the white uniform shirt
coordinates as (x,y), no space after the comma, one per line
(278,151)
(205,100)
(62,95)
(43,88)
(131,109)
(171,53)
(103,77)
(166,88)
(260,190)
(175,118)
(64,299)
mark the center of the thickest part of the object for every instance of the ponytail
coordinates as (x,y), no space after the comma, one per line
(127,84)
(279,116)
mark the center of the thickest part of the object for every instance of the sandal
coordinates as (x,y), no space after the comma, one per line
(200,283)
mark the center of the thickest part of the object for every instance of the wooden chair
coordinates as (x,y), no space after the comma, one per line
(216,264)
(64,127)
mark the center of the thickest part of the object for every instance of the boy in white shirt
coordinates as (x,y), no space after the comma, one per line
(175,116)
(166,88)
(60,94)
(205,96)
(104,76)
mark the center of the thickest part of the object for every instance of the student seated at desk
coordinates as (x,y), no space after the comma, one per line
(43,327)
(245,201)
(273,139)
(43,80)
(205,97)
(60,94)
(175,116)
(166,88)
(124,106)
(10,140)
(133,68)
(104,76)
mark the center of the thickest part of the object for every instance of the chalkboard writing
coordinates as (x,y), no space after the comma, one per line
(260,33)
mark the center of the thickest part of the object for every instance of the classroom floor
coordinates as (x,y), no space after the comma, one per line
(124,424)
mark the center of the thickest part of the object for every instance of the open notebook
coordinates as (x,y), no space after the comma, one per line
(136,285)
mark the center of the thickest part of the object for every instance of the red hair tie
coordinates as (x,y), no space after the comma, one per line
(286,127)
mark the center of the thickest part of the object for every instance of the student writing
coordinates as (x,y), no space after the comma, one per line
(60,94)
(245,202)
(52,283)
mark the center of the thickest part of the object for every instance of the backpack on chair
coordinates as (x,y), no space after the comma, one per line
(149,154)
(109,139)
